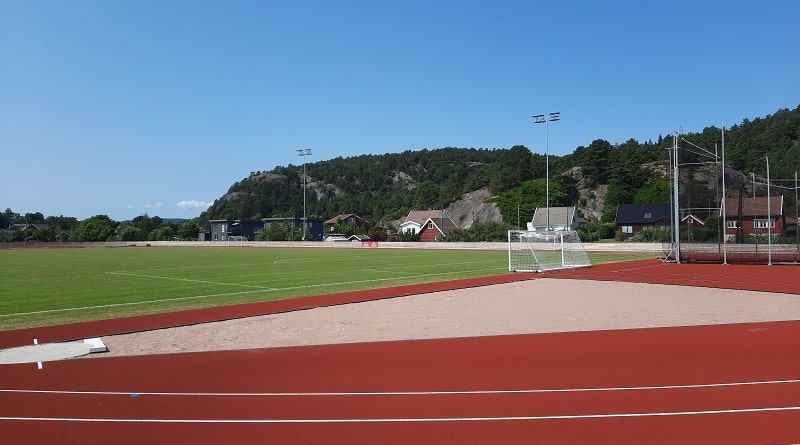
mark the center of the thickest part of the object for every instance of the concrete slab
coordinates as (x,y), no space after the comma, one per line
(96,345)
(49,352)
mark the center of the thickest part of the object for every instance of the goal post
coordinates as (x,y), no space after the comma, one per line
(534,251)
(236,240)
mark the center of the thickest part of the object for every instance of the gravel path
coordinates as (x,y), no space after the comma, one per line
(535,306)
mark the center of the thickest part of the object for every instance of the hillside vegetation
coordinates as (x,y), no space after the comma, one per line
(595,178)
(496,189)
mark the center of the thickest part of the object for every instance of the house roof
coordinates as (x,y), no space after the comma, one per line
(37,226)
(443,225)
(422,216)
(343,217)
(642,213)
(559,216)
(235,221)
(754,206)
(691,219)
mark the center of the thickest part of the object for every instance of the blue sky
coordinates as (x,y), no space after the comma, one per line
(130,107)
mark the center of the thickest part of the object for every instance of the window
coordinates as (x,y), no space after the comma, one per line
(648,216)
(733,224)
(764,223)
(430,225)
(627,229)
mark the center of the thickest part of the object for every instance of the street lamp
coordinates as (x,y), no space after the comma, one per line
(539,119)
(304,152)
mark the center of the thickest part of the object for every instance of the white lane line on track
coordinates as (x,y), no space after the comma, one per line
(410,420)
(400,393)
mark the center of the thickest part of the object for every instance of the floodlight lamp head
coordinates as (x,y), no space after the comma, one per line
(555,116)
(538,119)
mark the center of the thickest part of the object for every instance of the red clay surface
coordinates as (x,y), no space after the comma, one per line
(737,383)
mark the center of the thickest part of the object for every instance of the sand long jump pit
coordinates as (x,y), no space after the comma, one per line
(542,305)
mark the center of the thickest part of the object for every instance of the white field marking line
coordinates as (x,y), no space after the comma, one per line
(391,269)
(411,419)
(133,303)
(126,274)
(402,393)
(194,297)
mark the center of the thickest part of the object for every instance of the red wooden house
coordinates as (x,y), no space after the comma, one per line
(759,215)
(431,225)
(433,229)
(354,220)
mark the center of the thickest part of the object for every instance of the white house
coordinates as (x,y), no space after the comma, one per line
(561,218)
(417,218)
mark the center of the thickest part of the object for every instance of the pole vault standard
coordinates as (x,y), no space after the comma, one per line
(676,229)
(723,210)
(769,218)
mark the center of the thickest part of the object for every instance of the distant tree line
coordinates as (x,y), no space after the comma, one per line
(36,227)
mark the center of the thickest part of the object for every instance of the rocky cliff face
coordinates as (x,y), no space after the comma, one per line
(472,208)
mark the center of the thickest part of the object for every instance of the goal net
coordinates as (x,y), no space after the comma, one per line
(236,240)
(531,251)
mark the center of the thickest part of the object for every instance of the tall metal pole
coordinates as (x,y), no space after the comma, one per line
(304,152)
(676,225)
(724,210)
(769,218)
(538,119)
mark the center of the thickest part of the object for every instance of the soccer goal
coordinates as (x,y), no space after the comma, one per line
(236,240)
(531,251)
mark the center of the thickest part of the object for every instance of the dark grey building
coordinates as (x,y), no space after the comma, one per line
(313,226)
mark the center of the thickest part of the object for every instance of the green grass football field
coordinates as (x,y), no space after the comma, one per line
(57,286)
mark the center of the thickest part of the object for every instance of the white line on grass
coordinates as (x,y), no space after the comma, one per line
(412,419)
(132,303)
(195,297)
(405,393)
(188,280)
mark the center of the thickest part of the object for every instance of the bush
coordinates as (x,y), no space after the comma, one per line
(702,234)
(651,236)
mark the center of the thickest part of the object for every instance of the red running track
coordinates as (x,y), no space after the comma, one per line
(708,384)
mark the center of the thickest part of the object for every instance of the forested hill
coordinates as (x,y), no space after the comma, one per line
(383,188)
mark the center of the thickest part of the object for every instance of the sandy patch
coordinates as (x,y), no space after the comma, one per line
(535,306)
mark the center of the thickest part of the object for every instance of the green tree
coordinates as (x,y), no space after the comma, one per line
(490,231)
(594,160)
(654,191)
(96,228)
(520,202)
(189,230)
(279,231)
(512,169)
(130,233)
(146,225)
(343,227)
(164,232)
(426,196)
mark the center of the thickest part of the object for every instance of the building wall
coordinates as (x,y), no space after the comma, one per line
(748,226)
(428,235)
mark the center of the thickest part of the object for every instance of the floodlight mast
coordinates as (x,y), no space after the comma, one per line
(304,152)
(539,119)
